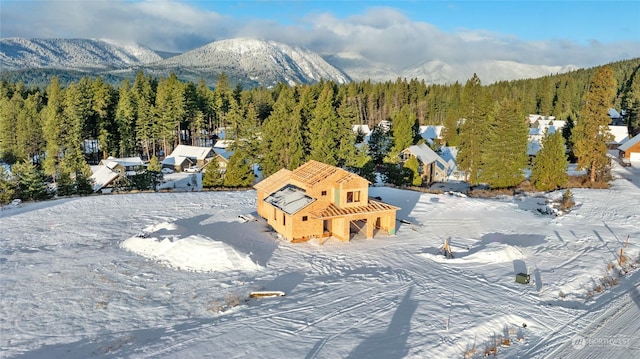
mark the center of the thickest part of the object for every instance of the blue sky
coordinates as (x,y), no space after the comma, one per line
(580,21)
(398,33)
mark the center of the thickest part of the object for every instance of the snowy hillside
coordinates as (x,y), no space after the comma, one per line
(168,275)
(78,54)
(438,72)
(264,62)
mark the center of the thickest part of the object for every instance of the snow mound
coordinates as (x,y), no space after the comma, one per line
(193,253)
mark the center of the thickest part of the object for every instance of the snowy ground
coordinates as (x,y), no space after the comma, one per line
(168,275)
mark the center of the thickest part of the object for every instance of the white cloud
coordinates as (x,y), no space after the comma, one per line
(382,34)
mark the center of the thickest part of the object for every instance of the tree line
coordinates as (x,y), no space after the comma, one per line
(50,133)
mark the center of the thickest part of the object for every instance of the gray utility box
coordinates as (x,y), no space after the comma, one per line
(523,278)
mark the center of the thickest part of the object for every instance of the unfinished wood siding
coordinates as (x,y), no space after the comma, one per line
(311,227)
(353,192)
(280,221)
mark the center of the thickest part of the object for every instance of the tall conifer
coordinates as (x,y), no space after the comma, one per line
(591,132)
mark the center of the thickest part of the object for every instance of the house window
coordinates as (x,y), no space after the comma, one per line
(284,219)
(324,193)
(274,215)
(304,218)
(353,196)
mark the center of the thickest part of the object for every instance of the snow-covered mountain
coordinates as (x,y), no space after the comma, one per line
(75,54)
(254,61)
(489,71)
(246,61)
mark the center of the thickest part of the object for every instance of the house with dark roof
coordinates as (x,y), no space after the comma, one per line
(317,200)
(432,167)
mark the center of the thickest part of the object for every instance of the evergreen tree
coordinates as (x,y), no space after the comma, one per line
(52,127)
(102,108)
(7,187)
(212,176)
(169,111)
(505,154)
(450,131)
(154,168)
(549,170)
(9,112)
(125,118)
(631,104)
(404,129)
(143,96)
(567,130)
(330,137)
(31,183)
(83,181)
(29,128)
(239,171)
(474,130)
(282,142)
(222,95)
(74,114)
(591,132)
(380,144)
(413,164)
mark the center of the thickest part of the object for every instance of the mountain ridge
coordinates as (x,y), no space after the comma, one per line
(246,61)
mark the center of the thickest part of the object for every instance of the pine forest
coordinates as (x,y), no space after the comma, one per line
(53,134)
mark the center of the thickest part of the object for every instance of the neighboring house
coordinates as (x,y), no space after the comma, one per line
(432,167)
(630,149)
(110,169)
(184,156)
(222,157)
(317,200)
(126,165)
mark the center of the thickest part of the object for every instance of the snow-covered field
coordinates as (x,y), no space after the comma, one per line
(168,275)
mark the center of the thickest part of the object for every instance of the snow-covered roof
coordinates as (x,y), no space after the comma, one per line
(175,161)
(620,133)
(197,152)
(613,113)
(223,143)
(223,153)
(124,161)
(630,143)
(102,176)
(361,128)
(540,118)
(290,199)
(426,155)
(431,132)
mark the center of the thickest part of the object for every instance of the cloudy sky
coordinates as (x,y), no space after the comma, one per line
(401,33)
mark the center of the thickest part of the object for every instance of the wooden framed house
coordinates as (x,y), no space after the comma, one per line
(318,200)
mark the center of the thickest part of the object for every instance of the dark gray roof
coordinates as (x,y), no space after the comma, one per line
(290,199)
